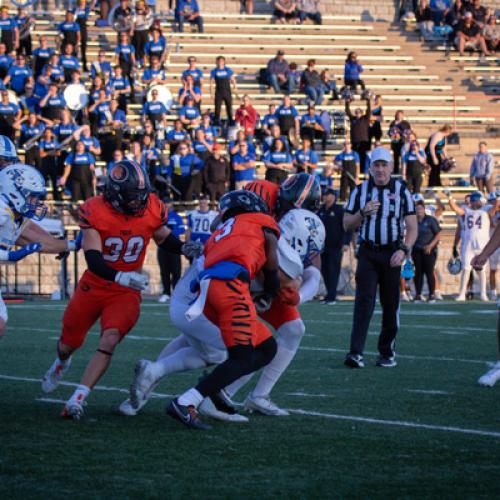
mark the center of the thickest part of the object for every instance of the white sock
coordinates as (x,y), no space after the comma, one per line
(273,371)
(173,346)
(190,398)
(81,393)
(233,388)
(187,358)
(464,278)
(482,282)
(59,362)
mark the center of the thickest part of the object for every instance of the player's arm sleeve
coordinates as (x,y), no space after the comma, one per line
(270,269)
(92,248)
(310,284)
(166,240)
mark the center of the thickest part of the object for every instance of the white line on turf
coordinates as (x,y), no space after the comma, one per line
(423,391)
(50,400)
(368,420)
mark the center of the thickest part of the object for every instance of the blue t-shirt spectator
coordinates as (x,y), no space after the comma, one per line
(269,120)
(19,75)
(76,159)
(282,111)
(247,174)
(210,132)
(269,140)
(184,165)
(310,121)
(190,5)
(277,157)
(6,61)
(154,108)
(196,73)
(125,51)
(224,73)
(189,112)
(251,147)
(352,70)
(353,156)
(157,48)
(101,68)
(302,157)
(29,131)
(175,223)
(178,136)
(150,73)
(69,62)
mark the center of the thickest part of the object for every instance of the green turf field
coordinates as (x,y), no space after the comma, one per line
(423,429)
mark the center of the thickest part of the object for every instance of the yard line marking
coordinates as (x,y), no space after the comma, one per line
(307,395)
(298,411)
(423,391)
(51,400)
(398,423)
(131,337)
(484,311)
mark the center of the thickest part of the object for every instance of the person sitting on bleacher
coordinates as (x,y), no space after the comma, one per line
(243,164)
(68,62)
(329,85)
(312,84)
(53,103)
(325,178)
(154,110)
(423,16)
(439,9)
(188,11)
(246,117)
(288,118)
(482,169)
(57,74)
(352,72)
(18,75)
(157,46)
(234,145)
(119,86)
(305,159)
(275,134)
(101,66)
(195,72)
(9,29)
(154,74)
(285,11)
(278,162)
(189,89)
(6,61)
(310,127)
(28,102)
(9,113)
(469,36)
(491,34)
(278,73)
(41,55)
(309,9)
(70,31)
(268,121)
(176,136)
(189,115)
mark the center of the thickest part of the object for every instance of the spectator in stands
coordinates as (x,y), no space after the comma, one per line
(65,132)
(9,29)
(150,159)
(288,118)
(234,146)
(125,58)
(154,110)
(82,14)
(9,113)
(325,178)
(189,115)
(53,103)
(23,20)
(482,169)
(285,11)
(439,9)
(469,36)
(188,11)
(414,167)
(243,166)
(141,23)
(176,136)
(201,145)
(424,253)
(305,159)
(6,61)
(479,12)
(278,162)
(309,9)
(329,85)
(312,84)
(275,134)
(156,47)
(278,73)
(70,31)
(295,75)
(360,129)
(154,74)
(18,76)
(352,72)
(311,127)
(398,128)
(101,67)
(114,122)
(208,128)
(57,74)
(223,78)
(348,163)
(216,173)
(68,62)
(423,16)
(491,34)
(189,89)
(183,165)
(170,263)
(195,72)
(267,122)
(80,169)
(120,88)
(376,119)
(49,151)
(435,151)
(246,117)
(30,126)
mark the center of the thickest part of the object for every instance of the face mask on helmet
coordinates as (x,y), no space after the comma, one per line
(238,202)
(299,191)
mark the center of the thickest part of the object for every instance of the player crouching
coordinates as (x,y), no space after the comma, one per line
(117,227)
(22,190)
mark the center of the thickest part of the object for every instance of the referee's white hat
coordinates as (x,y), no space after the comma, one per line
(380,154)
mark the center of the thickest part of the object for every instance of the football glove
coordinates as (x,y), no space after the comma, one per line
(136,281)
(76,244)
(192,249)
(21,253)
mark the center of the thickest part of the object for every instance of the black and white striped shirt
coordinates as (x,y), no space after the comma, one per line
(387,225)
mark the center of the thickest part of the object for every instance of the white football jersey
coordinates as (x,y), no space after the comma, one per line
(10,228)
(476,227)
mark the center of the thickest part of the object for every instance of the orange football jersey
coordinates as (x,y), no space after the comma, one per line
(267,190)
(124,237)
(241,240)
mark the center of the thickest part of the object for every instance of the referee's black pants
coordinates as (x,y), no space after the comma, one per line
(170,269)
(331,263)
(374,269)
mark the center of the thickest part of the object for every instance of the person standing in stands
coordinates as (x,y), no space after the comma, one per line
(414,167)
(482,169)
(169,262)
(70,31)
(216,173)
(288,118)
(225,81)
(311,81)
(348,164)
(360,129)
(9,29)
(82,14)
(435,151)
(246,117)
(397,130)
(125,58)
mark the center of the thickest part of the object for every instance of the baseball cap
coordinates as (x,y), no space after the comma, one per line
(380,154)
(281,52)
(468,14)
(476,196)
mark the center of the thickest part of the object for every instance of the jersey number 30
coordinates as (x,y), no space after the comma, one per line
(115,249)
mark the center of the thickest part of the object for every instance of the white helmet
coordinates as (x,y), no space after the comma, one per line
(8,153)
(289,260)
(23,188)
(304,231)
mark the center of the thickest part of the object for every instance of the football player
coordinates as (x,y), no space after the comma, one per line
(22,190)
(117,227)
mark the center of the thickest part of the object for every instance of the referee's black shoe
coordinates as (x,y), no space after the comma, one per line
(384,362)
(354,361)
(187,415)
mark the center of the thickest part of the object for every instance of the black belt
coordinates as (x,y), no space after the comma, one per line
(395,245)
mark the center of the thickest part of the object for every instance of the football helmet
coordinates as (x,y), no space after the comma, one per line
(239,202)
(23,188)
(127,188)
(8,153)
(299,191)
(454,265)
(267,190)
(304,231)
(407,270)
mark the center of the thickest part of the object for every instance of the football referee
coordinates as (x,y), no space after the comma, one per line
(383,210)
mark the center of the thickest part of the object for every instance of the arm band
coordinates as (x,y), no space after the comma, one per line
(98,266)
(271,282)
(171,244)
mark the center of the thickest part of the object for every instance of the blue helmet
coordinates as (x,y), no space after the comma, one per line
(8,153)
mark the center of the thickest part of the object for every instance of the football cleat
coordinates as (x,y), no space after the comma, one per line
(264,405)
(384,362)
(491,377)
(54,376)
(460,298)
(354,361)
(143,383)
(128,410)
(208,409)
(186,415)
(73,410)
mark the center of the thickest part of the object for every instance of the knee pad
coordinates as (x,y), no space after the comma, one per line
(290,334)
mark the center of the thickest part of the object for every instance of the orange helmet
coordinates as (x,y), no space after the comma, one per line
(267,190)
